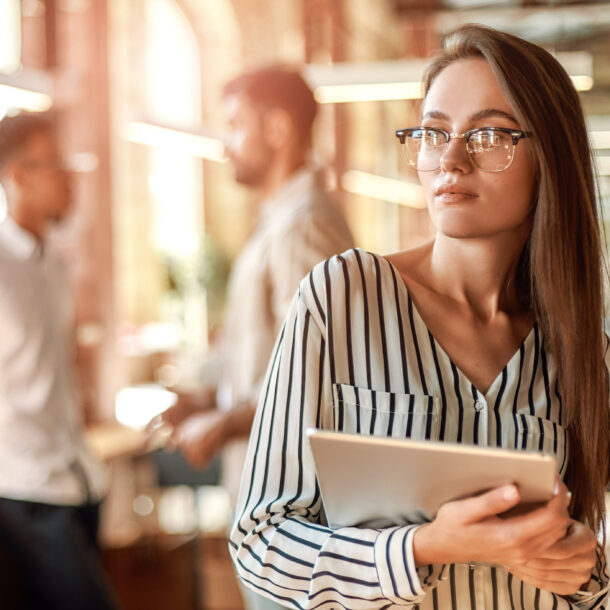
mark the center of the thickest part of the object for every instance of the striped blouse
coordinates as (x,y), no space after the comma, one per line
(355,355)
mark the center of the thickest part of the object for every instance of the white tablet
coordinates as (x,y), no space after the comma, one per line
(378,481)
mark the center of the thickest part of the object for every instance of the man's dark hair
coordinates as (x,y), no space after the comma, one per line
(15,131)
(278,86)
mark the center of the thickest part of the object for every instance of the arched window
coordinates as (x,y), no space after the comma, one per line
(173,98)
(10,36)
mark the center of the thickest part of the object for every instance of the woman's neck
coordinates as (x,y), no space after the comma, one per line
(475,273)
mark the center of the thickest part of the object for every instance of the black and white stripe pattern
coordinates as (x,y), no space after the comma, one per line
(354,355)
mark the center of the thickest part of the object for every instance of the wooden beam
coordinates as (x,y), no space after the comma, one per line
(50,18)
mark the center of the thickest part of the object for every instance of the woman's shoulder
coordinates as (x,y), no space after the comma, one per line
(333,282)
(354,262)
(344,277)
(365,266)
(410,263)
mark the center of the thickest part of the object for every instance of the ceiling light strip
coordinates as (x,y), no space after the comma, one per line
(386,189)
(369,92)
(24,99)
(157,136)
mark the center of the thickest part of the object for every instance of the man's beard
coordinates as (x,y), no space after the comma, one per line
(252,176)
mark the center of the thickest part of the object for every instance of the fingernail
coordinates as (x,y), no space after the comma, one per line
(510,493)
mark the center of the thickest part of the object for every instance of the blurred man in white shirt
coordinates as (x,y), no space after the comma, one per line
(50,487)
(270,117)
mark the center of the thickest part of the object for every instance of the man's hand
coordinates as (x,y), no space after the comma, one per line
(187,404)
(202,436)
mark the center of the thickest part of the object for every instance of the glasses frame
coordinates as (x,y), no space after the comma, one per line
(516,135)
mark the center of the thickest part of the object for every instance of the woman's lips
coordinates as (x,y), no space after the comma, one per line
(454,193)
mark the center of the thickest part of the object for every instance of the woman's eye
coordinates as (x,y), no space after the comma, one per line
(484,140)
(432,138)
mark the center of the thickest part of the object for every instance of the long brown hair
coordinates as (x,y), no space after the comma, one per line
(560,270)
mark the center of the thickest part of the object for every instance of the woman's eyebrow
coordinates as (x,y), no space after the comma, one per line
(435,114)
(492,112)
(486,113)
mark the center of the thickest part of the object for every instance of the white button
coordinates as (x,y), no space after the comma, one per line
(479,405)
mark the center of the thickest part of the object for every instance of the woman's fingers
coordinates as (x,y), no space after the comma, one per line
(585,561)
(565,566)
(578,541)
(540,529)
(563,577)
(488,504)
(488,535)
(562,584)
(545,525)
(576,552)
(502,499)
(477,529)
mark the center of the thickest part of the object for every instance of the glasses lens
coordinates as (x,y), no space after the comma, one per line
(491,150)
(423,149)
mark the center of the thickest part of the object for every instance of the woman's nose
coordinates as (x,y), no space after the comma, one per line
(455,157)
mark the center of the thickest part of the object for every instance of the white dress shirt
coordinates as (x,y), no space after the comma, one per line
(355,355)
(42,453)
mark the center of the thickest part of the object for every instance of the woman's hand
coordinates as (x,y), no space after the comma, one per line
(474,530)
(564,567)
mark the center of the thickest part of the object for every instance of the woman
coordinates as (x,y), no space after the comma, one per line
(496,323)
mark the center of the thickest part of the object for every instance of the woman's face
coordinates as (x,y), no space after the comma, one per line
(464,201)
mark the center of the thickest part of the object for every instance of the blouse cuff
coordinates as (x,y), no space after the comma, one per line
(588,599)
(399,579)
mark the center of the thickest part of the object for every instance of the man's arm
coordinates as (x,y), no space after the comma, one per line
(188,403)
(202,436)
(316,236)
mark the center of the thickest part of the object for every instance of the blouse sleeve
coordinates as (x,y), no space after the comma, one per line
(279,544)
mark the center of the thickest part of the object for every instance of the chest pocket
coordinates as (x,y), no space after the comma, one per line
(364,411)
(537,434)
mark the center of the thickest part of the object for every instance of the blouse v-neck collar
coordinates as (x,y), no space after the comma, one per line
(496,383)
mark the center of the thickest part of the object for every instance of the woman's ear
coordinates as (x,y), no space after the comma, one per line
(278,127)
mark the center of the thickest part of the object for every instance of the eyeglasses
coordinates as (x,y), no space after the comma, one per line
(491,149)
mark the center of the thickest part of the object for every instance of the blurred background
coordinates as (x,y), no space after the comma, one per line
(137,86)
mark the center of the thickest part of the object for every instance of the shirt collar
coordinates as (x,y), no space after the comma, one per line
(296,187)
(19,242)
